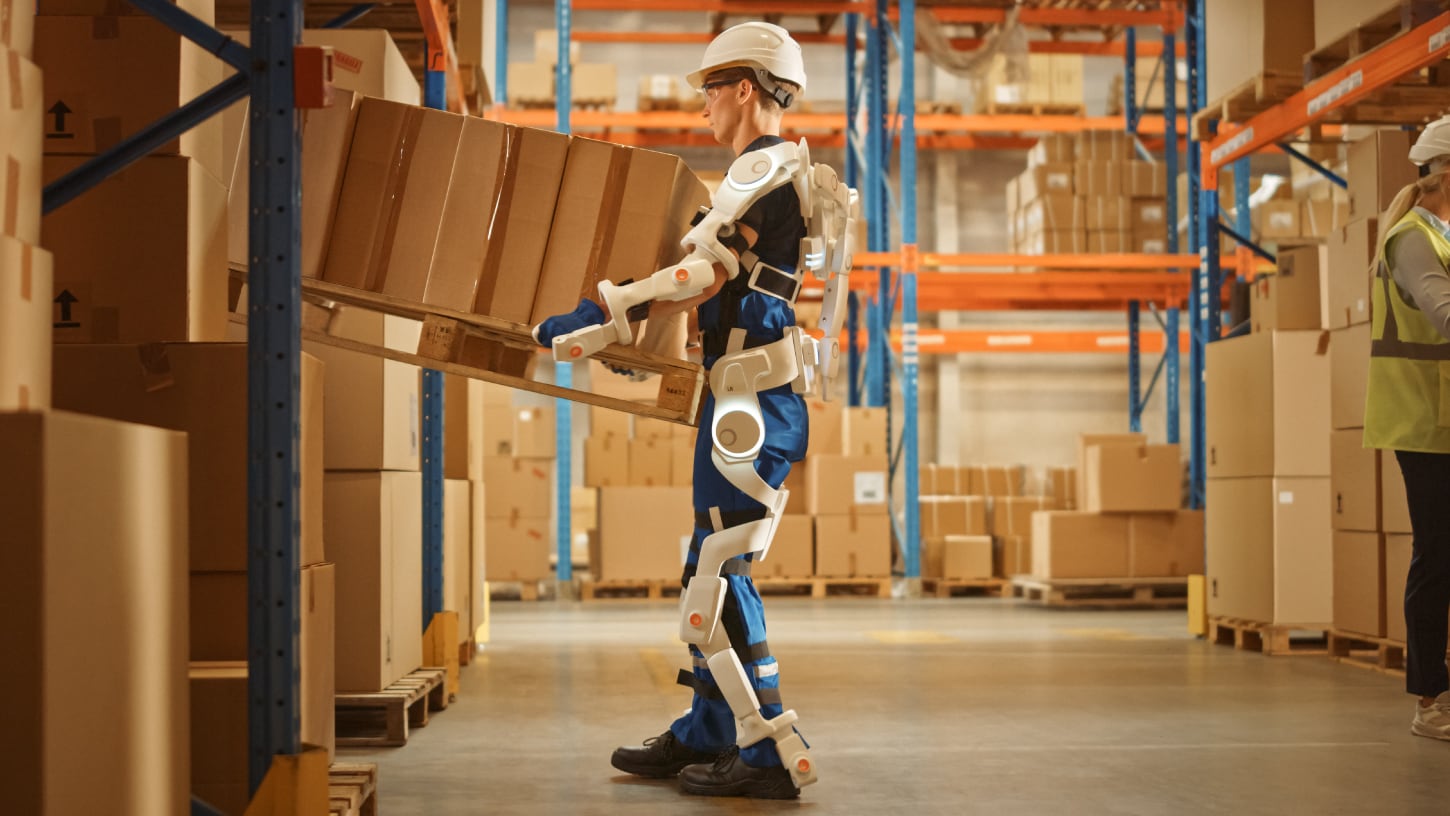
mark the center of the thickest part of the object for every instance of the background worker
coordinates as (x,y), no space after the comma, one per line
(1408,406)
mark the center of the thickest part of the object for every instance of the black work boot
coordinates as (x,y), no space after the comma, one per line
(730,776)
(661,757)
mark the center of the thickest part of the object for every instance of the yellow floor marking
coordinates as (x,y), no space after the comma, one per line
(909,636)
(1104,634)
(661,669)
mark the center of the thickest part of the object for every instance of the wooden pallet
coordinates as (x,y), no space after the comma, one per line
(927,107)
(1254,96)
(519,590)
(1376,654)
(352,789)
(626,589)
(384,718)
(493,350)
(1271,639)
(953,587)
(818,587)
(1032,109)
(650,104)
(1109,593)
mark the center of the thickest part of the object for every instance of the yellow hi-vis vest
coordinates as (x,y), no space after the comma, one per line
(1408,402)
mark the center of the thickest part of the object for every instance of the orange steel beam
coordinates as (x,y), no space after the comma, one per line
(1083,18)
(1100,263)
(961,290)
(1421,46)
(1114,48)
(930,123)
(969,341)
(743,7)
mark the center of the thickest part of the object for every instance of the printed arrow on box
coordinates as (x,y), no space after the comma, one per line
(59,111)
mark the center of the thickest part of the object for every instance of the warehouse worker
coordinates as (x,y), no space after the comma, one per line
(774,217)
(1408,406)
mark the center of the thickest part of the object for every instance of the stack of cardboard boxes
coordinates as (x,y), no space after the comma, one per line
(518,478)
(844,477)
(1128,523)
(96,529)
(531,84)
(1087,192)
(1368,508)
(974,520)
(1052,81)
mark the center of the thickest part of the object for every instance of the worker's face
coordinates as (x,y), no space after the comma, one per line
(724,104)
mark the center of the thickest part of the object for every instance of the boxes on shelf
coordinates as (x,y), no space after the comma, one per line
(129,274)
(367,62)
(1286,375)
(200,389)
(1267,37)
(372,525)
(1277,220)
(1269,548)
(853,545)
(25,326)
(1379,167)
(1351,250)
(1290,298)
(371,404)
(864,431)
(635,546)
(75,482)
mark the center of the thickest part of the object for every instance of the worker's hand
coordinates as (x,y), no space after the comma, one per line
(586,314)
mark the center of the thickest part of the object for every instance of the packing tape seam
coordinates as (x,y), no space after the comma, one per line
(397,187)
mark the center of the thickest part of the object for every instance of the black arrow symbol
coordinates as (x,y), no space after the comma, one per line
(65,299)
(59,110)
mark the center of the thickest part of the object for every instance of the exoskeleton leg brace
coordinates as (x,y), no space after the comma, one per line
(737,434)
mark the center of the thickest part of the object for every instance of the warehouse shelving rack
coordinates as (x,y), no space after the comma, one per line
(270,74)
(1337,90)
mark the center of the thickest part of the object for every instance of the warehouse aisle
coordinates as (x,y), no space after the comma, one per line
(966,706)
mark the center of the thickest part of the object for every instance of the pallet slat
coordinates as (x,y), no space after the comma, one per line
(1270,639)
(385,718)
(352,789)
(953,587)
(1120,593)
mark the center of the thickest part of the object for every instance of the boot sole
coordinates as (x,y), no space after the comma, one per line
(742,789)
(1428,733)
(648,772)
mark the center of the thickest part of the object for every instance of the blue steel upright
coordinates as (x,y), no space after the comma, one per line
(877,212)
(1199,227)
(853,179)
(911,546)
(563,372)
(274,349)
(435,87)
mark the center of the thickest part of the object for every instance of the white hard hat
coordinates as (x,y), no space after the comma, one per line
(1434,143)
(766,48)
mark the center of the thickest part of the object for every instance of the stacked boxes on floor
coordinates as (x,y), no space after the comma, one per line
(967,515)
(1128,523)
(1370,516)
(466,410)
(636,462)
(1087,192)
(845,481)
(531,84)
(518,491)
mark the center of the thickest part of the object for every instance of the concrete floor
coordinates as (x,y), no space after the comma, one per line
(951,707)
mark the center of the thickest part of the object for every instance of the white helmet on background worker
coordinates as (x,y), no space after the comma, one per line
(767,49)
(1434,143)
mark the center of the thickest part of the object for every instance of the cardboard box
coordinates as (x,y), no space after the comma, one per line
(595,83)
(534,433)
(1269,550)
(200,389)
(462,427)
(1084,442)
(141,274)
(1335,18)
(457,558)
(865,431)
(546,48)
(1149,214)
(95,534)
(498,430)
(1278,219)
(368,62)
(1106,214)
(1289,298)
(1351,252)
(1285,375)
(845,484)
(1109,242)
(582,234)
(90,66)
(1253,36)
(219,735)
(371,404)
(792,551)
(1394,504)
(1148,241)
(531,83)
(1097,178)
(650,462)
(1052,212)
(1165,545)
(1056,242)
(1012,515)
(827,427)
(682,462)
(1398,551)
(1045,179)
(609,422)
(853,545)
(1142,179)
(1348,375)
(1062,486)
(943,516)
(518,488)
(661,195)
(1014,556)
(518,549)
(1105,146)
(795,482)
(392,198)
(25,326)
(1359,583)
(218,615)
(1066,72)
(473,193)
(20,145)
(607,461)
(1053,148)
(1379,167)
(520,233)
(991,480)
(642,546)
(966,558)
(1354,476)
(374,524)
(1068,544)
